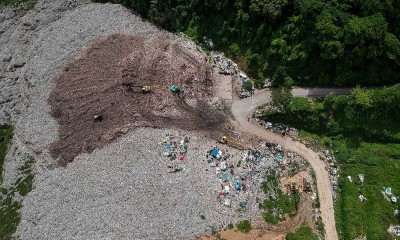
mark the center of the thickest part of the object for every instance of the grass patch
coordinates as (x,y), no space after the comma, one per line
(380,163)
(323,141)
(9,216)
(302,233)
(278,203)
(244,226)
(270,218)
(24,183)
(6,133)
(9,207)
(230,226)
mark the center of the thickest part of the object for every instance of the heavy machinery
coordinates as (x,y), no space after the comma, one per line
(231,142)
(307,185)
(176,89)
(294,187)
(98,117)
(142,89)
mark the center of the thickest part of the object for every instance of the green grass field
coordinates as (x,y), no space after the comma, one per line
(380,163)
(302,233)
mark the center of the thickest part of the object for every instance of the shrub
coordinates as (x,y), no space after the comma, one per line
(270,218)
(244,226)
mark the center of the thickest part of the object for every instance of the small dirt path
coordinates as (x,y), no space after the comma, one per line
(241,110)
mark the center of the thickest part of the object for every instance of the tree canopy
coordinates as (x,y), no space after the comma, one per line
(333,42)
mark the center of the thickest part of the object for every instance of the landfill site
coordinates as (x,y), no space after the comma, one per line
(131,130)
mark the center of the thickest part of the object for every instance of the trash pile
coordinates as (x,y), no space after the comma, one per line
(394,230)
(238,178)
(387,194)
(174,149)
(277,151)
(223,64)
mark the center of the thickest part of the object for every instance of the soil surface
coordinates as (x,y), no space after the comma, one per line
(104,82)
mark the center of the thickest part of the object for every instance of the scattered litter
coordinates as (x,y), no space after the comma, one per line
(243,204)
(394,230)
(314,196)
(175,148)
(224,65)
(350,179)
(209,43)
(361,177)
(239,177)
(362,198)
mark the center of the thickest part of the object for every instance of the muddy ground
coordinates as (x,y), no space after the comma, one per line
(102,82)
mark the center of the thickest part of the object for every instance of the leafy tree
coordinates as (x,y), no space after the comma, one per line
(244,226)
(341,43)
(281,97)
(361,97)
(302,233)
(288,82)
(248,85)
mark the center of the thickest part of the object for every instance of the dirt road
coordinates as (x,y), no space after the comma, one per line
(241,110)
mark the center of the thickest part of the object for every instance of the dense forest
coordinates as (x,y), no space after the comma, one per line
(305,42)
(372,115)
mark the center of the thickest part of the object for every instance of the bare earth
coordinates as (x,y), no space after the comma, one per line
(104,79)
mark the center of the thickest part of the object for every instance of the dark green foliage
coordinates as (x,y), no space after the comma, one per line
(230,226)
(244,226)
(24,183)
(380,163)
(281,203)
(281,97)
(248,85)
(9,207)
(9,216)
(6,133)
(309,41)
(373,115)
(302,233)
(270,218)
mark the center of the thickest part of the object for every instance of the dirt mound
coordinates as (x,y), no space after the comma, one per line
(102,81)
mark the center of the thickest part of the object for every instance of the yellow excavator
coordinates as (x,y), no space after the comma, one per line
(232,143)
(143,89)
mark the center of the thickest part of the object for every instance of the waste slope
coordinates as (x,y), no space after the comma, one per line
(102,82)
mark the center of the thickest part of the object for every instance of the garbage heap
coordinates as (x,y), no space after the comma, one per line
(238,178)
(174,149)
(223,64)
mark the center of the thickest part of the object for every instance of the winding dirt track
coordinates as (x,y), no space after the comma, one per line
(241,110)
